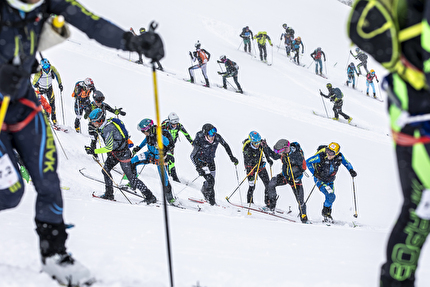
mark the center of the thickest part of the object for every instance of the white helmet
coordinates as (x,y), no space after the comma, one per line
(173,118)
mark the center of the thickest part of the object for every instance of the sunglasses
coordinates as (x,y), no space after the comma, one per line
(212,132)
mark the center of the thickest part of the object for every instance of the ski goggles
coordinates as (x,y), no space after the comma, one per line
(212,132)
(256,144)
(284,149)
(330,152)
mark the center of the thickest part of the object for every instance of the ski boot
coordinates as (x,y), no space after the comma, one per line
(304,218)
(326,213)
(336,119)
(349,120)
(374,95)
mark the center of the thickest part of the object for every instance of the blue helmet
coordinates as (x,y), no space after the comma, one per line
(254,137)
(46,66)
(97,116)
(145,125)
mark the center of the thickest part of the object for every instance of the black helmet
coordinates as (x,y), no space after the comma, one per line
(197,45)
(329,86)
(281,145)
(208,129)
(98,96)
(142,30)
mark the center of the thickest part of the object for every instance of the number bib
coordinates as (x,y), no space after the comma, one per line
(8,176)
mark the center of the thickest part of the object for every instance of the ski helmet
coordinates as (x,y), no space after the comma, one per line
(329,86)
(254,137)
(89,83)
(299,39)
(352,64)
(142,30)
(372,71)
(145,125)
(173,118)
(97,116)
(247,28)
(334,148)
(46,66)
(357,49)
(284,26)
(223,58)
(23,6)
(209,129)
(197,45)
(281,145)
(98,96)
(318,49)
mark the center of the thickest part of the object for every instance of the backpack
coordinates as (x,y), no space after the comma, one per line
(373,26)
(338,93)
(297,146)
(120,126)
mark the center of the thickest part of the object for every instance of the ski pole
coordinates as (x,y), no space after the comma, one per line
(152,28)
(255,179)
(295,187)
(241,42)
(62,107)
(188,183)
(3,109)
(310,193)
(237,177)
(58,140)
(279,45)
(272,56)
(355,200)
(324,104)
(325,66)
(228,197)
(311,64)
(111,179)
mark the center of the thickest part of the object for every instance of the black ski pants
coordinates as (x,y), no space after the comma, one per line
(263,52)
(337,109)
(297,188)
(234,75)
(264,176)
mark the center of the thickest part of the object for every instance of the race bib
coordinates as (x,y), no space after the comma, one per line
(8,175)
(206,170)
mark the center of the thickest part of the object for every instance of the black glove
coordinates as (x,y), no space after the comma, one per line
(61,87)
(12,79)
(263,143)
(200,171)
(119,112)
(148,43)
(219,62)
(234,160)
(89,150)
(377,81)
(220,73)
(321,93)
(136,149)
(270,162)
(191,55)
(353,173)
(36,85)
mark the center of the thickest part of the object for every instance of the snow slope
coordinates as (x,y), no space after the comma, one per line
(124,245)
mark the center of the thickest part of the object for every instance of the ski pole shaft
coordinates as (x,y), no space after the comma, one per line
(310,193)
(255,179)
(228,197)
(62,107)
(355,199)
(3,109)
(186,185)
(59,142)
(324,105)
(237,178)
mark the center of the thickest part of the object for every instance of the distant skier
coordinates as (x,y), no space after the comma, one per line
(202,56)
(173,126)
(98,103)
(246,35)
(362,57)
(253,159)
(369,82)
(140,61)
(288,37)
(293,166)
(152,155)
(335,95)
(42,81)
(296,49)
(205,145)
(351,71)
(81,93)
(232,70)
(317,56)
(324,166)
(261,40)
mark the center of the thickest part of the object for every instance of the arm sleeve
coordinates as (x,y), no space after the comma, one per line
(143,143)
(109,108)
(186,134)
(57,75)
(311,161)
(346,163)
(36,78)
(224,144)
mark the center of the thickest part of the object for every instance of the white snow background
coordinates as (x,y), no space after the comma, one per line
(125,245)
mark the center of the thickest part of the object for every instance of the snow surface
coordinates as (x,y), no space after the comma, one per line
(125,245)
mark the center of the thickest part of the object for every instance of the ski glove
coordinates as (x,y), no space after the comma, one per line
(353,173)
(234,160)
(263,143)
(136,149)
(89,150)
(36,85)
(12,79)
(119,112)
(60,86)
(270,161)
(148,43)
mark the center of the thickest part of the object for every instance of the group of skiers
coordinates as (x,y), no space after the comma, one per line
(352,71)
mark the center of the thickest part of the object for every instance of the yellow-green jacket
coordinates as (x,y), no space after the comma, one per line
(45,79)
(262,37)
